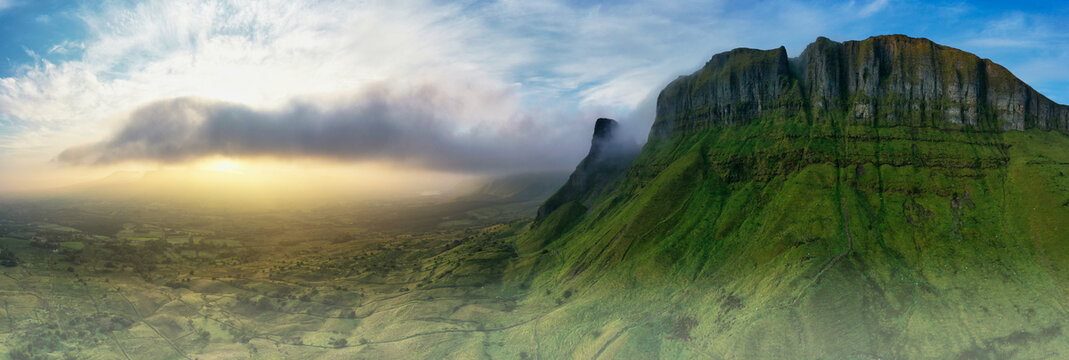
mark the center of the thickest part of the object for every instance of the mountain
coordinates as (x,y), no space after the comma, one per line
(610,154)
(884,81)
(889,198)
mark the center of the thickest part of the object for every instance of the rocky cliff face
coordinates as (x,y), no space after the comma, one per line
(609,156)
(884,81)
(732,88)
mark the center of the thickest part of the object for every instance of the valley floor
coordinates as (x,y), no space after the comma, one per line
(296,287)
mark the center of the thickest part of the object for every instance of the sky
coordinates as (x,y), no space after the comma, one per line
(447,88)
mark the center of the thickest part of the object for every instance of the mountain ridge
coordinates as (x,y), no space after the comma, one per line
(866,80)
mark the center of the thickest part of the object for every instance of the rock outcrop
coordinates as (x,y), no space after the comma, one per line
(884,81)
(609,156)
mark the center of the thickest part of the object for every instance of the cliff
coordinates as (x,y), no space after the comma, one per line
(608,157)
(882,81)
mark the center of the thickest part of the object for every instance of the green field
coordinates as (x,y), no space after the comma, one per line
(73,245)
(277,286)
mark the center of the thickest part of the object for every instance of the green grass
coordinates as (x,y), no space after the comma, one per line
(222,242)
(26,235)
(139,238)
(55,227)
(959,246)
(74,245)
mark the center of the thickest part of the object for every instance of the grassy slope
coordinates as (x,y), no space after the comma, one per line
(712,243)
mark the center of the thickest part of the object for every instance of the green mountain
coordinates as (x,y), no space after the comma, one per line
(889,198)
(609,156)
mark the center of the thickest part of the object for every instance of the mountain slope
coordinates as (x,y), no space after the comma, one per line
(608,157)
(885,198)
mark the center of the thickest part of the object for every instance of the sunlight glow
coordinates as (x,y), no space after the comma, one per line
(224,165)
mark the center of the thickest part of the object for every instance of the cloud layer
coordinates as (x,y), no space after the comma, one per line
(426,126)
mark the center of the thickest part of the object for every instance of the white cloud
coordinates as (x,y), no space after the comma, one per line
(265,54)
(1018,30)
(7,4)
(66,47)
(872,8)
(260,56)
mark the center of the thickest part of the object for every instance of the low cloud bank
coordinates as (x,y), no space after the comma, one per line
(462,129)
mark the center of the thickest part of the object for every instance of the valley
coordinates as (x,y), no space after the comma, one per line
(178,283)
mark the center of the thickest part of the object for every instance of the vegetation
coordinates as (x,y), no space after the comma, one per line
(194,283)
(789,239)
(803,232)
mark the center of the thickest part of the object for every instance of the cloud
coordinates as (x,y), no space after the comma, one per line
(1013,30)
(570,61)
(7,4)
(263,53)
(426,126)
(872,8)
(66,47)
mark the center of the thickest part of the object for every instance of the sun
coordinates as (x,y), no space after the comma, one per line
(224,165)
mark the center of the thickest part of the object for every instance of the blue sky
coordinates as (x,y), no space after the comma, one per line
(38,27)
(507,77)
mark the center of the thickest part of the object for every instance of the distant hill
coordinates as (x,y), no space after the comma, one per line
(497,199)
(890,198)
(518,187)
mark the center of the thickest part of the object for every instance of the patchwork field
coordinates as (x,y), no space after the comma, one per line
(176,283)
